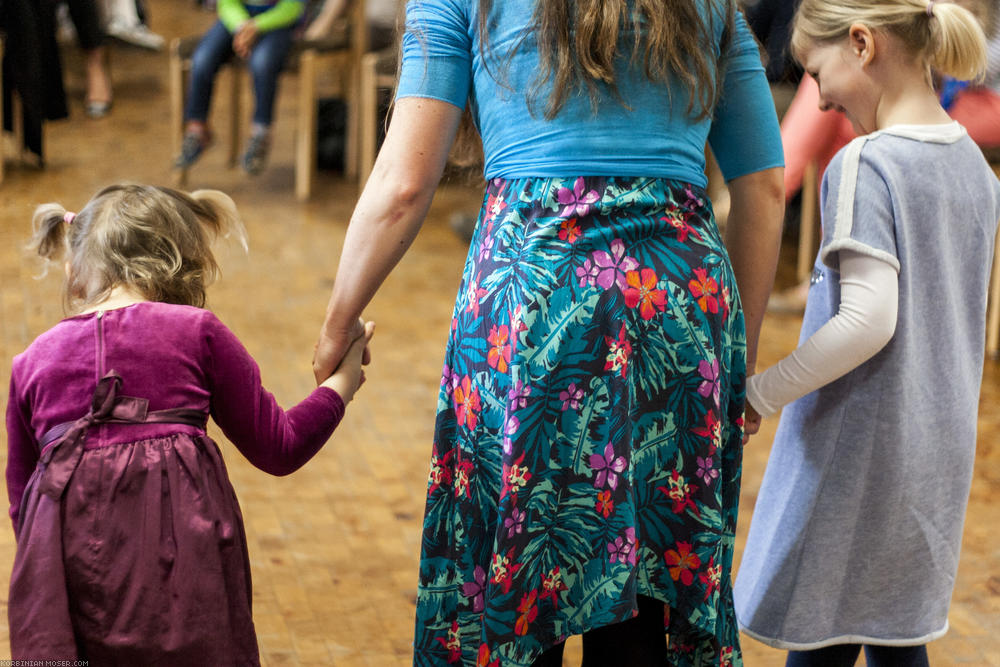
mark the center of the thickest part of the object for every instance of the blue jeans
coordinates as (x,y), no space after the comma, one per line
(845,655)
(265,63)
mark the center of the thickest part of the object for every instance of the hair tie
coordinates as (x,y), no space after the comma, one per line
(68,217)
(930,8)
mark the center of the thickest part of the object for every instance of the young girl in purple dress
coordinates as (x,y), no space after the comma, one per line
(130,542)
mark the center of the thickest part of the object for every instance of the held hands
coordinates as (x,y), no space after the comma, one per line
(349,375)
(333,345)
(244,39)
(751,421)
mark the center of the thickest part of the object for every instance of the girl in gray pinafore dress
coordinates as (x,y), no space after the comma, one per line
(856,533)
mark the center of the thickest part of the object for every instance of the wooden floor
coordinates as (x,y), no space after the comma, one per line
(334,547)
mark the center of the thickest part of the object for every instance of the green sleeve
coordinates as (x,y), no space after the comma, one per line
(232,13)
(282,15)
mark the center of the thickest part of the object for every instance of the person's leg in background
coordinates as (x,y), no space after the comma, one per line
(266,61)
(87,21)
(122,21)
(212,51)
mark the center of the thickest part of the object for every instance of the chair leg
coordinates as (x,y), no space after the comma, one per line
(177,93)
(367,116)
(236,76)
(993,309)
(305,141)
(1,114)
(807,224)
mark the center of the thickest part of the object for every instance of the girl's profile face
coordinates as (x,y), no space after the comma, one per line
(843,84)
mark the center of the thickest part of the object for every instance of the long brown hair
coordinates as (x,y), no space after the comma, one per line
(579,42)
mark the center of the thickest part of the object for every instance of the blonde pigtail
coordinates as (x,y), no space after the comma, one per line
(50,231)
(220,215)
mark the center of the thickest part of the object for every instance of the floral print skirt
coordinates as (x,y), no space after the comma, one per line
(587,447)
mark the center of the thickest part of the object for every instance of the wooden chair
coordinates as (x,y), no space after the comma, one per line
(378,71)
(343,50)
(993,303)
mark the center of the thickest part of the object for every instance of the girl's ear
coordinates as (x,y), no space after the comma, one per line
(862,41)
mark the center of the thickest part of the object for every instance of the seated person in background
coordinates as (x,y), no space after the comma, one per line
(260,32)
(380,14)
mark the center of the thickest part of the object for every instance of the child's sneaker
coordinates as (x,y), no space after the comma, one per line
(193,145)
(255,157)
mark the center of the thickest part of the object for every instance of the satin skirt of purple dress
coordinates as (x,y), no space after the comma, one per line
(143,561)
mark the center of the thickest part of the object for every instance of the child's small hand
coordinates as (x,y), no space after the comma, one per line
(751,422)
(349,375)
(245,39)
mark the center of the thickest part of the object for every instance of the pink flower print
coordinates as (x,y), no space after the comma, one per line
(467,403)
(641,291)
(453,643)
(514,523)
(499,354)
(569,231)
(512,426)
(473,296)
(516,327)
(611,268)
(514,478)
(495,205)
(552,585)
(528,610)
(711,430)
(623,548)
(682,563)
(711,577)
(726,656)
(608,467)
(604,505)
(503,571)
(704,290)
(726,299)
(576,202)
(475,589)
(440,472)
(618,353)
(679,492)
(486,247)
(571,397)
(518,396)
(463,478)
(680,223)
(710,387)
(587,273)
(706,471)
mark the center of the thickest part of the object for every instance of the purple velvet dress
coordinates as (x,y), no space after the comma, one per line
(130,541)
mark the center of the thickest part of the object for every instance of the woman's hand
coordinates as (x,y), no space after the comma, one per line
(349,376)
(332,347)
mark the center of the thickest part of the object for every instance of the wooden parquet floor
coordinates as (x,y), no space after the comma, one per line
(334,547)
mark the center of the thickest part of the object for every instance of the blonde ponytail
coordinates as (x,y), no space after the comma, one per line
(947,36)
(959,45)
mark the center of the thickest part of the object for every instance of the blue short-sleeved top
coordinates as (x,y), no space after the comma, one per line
(652,134)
